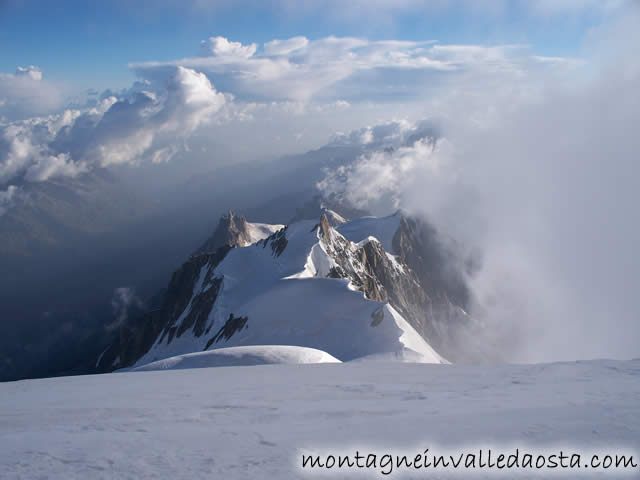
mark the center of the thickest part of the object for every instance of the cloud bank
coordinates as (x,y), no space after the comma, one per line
(25,93)
(345,68)
(547,190)
(143,124)
(268,90)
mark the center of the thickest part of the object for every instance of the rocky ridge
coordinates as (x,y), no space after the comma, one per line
(414,279)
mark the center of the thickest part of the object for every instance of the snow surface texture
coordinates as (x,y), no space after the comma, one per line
(242,356)
(250,422)
(260,231)
(288,301)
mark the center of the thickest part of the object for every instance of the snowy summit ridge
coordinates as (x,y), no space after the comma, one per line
(353,289)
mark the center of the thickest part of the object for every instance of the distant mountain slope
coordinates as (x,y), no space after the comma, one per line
(52,213)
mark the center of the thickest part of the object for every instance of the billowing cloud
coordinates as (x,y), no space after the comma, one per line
(34,73)
(379,180)
(546,189)
(140,125)
(389,136)
(54,166)
(221,47)
(25,93)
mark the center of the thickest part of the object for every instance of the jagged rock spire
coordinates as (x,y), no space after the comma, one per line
(231,231)
(325,228)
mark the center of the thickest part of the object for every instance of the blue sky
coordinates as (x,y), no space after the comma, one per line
(88,44)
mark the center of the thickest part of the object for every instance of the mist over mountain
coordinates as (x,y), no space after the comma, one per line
(72,242)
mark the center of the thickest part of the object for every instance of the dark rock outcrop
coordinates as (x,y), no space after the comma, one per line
(438,268)
(232,231)
(231,326)
(423,279)
(440,272)
(137,336)
(278,241)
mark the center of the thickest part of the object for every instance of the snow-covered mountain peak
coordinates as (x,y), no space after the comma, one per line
(333,217)
(353,289)
(235,231)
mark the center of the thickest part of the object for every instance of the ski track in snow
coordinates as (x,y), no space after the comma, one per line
(249,422)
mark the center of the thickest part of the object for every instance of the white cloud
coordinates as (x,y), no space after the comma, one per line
(396,153)
(54,166)
(221,47)
(285,47)
(25,93)
(191,101)
(387,136)
(34,73)
(143,124)
(344,68)
(547,188)
(471,55)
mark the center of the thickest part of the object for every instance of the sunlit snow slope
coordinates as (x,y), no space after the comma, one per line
(242,356)
(305,285)
(250,422)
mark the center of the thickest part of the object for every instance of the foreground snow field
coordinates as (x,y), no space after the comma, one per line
(250,422)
